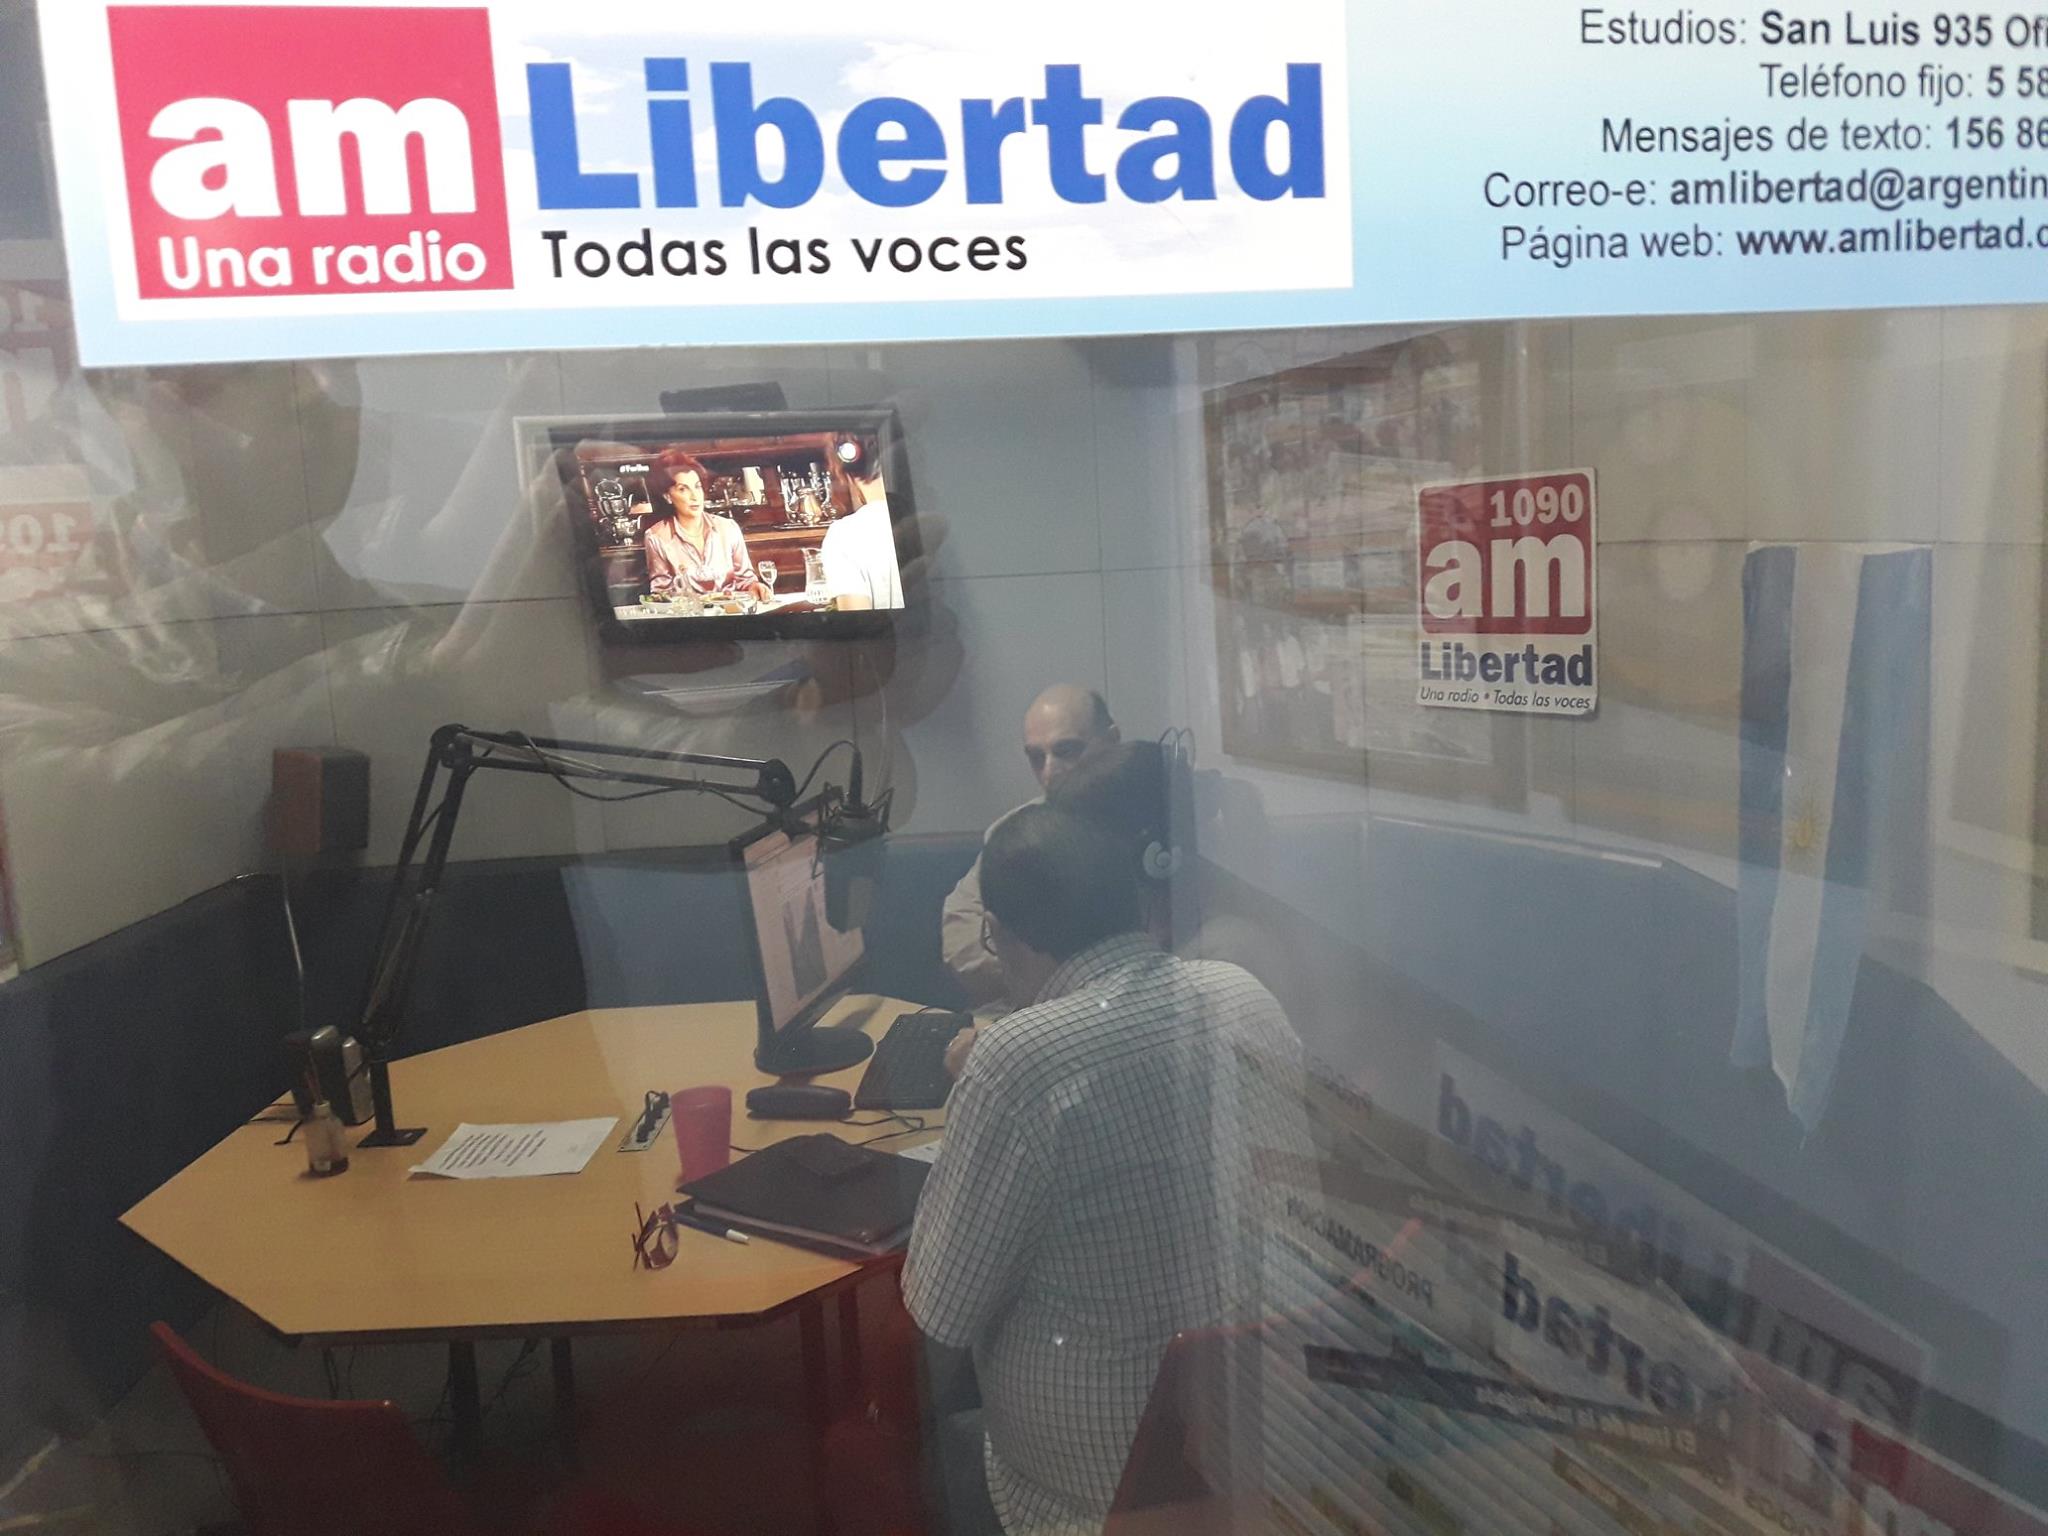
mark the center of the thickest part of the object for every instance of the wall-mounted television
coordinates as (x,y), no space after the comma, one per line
(757,523)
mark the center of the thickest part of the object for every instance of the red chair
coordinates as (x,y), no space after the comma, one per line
(303,1467)
(1171,1483)
(307,1467)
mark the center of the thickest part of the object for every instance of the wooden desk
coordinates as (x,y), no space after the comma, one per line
(376,1256)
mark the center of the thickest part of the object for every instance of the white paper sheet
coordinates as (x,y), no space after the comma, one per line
(518,1151)
(923,1154)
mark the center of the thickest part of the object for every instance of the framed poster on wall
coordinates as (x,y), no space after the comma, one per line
(1313,472)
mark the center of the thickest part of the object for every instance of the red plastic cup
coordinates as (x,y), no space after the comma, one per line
(703,1122)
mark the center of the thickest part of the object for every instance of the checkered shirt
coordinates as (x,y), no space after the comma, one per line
(1094,1197)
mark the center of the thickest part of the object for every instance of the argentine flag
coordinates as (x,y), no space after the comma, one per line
(1835,643)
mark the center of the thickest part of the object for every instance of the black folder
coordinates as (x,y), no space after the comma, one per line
(817,1192)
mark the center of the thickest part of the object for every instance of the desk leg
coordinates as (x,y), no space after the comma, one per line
(817,1405)
(564,1363)
(849,1342)
(465,1400)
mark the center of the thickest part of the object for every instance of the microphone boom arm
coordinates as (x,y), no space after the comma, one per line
(457,752)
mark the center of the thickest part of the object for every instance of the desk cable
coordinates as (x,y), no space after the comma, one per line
(911,1125)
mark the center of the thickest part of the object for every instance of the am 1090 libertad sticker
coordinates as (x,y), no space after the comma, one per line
(1505,595)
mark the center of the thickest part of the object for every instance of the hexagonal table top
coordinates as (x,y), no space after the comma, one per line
(376,1254)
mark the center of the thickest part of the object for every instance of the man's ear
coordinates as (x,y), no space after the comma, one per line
(998,934)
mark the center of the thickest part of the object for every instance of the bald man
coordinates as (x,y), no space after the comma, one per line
(1065,726)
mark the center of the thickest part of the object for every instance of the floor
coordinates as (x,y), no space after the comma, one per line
(703,1427)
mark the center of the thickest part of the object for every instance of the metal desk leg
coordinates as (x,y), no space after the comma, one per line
(817,1405)
(465,1400)
(564,1363)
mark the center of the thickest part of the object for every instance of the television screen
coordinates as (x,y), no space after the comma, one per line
(769,523)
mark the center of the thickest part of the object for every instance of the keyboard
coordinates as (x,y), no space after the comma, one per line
(909,1069)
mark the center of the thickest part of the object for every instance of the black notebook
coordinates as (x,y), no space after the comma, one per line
(817,1192)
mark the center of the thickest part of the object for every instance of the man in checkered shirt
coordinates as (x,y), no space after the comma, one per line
(1094,1193)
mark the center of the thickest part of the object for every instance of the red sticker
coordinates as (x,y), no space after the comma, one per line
(1508,557)
(276,150)
(1505,594)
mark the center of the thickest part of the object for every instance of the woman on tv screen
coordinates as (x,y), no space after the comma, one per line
(689,550)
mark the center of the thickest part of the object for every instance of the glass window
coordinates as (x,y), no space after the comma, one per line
(1406,929)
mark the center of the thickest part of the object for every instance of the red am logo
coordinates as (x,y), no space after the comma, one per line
(1507,557)
(310,149)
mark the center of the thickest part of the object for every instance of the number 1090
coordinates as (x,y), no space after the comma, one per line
(1539,504)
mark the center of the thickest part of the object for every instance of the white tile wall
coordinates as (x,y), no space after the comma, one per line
(1994,426)
(794,725)
(1844,417)
(1986,676)
(94,686)
(632,383)
(397,675)
(420,496)
(1148,452)
(105,830)
(1660,411)
(1529,424)
(154,452)
(964,757)
(227,433)
(1147,666)
(1002,446)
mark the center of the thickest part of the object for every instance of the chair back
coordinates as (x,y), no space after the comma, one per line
(1197,1465)
(306,1467)
(1165,1485)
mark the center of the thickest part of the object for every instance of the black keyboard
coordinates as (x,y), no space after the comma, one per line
(909,1069)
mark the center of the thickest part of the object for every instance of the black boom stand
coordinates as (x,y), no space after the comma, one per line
(457,752)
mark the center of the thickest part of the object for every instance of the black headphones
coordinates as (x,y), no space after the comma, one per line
(1164,850)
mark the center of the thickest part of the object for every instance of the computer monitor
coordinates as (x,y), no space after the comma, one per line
(805,964)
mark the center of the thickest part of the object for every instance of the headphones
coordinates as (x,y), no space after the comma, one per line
(1160,861)
(1163,855)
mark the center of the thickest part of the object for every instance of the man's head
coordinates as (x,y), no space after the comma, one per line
(867,489)
(1123,786)
(864,473)
(1062,728)
(1129,791)
(1053,887)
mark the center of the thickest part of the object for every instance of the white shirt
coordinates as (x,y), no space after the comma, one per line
(1093,1197)
(860,557)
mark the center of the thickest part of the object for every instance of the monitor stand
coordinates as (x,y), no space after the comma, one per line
(807,1052)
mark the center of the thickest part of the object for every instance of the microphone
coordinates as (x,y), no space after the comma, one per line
(850,836)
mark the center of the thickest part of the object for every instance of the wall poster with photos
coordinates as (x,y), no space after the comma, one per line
(1312,479)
